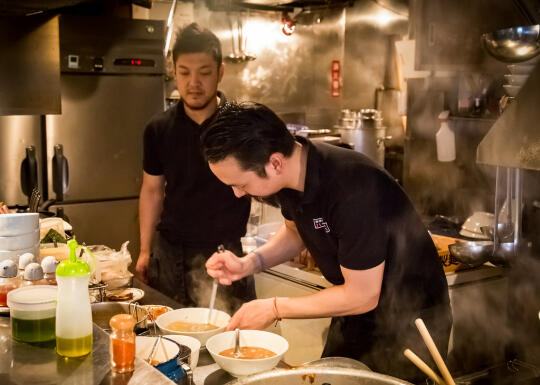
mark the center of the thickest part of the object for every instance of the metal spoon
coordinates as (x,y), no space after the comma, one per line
(220,249)
(236,342)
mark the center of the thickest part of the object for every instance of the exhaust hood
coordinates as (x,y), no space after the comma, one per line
(514,139)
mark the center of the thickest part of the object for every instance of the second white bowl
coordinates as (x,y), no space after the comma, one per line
(195,315)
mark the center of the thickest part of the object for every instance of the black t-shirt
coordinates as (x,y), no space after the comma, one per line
(198,208)
(353,214)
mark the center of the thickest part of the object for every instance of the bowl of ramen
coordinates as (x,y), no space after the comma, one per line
(193,322)
(259,351)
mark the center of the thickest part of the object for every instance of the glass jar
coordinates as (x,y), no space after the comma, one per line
(8,279)
(122,343)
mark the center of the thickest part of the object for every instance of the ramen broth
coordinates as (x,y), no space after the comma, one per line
(248,353)
(183,326)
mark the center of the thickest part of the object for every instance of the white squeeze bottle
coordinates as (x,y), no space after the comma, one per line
(73,311)
(446,140)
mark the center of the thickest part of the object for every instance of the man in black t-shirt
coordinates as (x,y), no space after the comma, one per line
(357,223)
(191,209)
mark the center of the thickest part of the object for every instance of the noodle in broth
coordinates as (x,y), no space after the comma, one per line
(183,326)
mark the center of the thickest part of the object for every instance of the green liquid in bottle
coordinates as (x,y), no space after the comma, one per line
(33,330)
(74,347)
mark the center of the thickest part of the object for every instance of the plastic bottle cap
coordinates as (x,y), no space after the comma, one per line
(74,267)
(122,322)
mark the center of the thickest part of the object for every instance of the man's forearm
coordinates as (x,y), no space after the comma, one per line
(150,207)
(333,301)
(282,247)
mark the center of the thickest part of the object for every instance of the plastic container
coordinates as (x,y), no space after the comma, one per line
(446,140)
(73,312)
(33,313)
(122,343)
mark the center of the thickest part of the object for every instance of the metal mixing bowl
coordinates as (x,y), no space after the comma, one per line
(513,45)
(474,253)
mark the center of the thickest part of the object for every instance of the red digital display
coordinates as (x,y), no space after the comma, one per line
(134,62)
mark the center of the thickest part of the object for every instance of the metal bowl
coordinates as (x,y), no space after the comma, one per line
(474,253)
(103,311)
(513,45)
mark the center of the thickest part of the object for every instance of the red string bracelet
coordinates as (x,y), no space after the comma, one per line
(276,313)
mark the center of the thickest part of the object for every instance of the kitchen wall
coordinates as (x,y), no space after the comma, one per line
(292,74)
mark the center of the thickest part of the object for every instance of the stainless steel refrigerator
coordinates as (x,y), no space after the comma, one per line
(87,161)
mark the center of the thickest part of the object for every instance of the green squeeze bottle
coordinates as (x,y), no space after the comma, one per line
(73,311)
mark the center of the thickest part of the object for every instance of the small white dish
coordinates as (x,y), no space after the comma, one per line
(478,219)
(192,343)
(137,294)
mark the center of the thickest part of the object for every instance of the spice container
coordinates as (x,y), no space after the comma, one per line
(33,313)
(49,265)
(24,260)
(122,343)
(8,279)
(33,275)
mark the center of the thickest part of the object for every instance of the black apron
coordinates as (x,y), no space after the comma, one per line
(380,344)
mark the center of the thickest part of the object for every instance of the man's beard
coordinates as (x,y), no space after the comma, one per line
(202,106)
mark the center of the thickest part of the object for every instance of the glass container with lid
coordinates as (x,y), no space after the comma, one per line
(8,279)
(122,343)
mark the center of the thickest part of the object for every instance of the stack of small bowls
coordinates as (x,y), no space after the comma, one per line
(519,73)
(19,234)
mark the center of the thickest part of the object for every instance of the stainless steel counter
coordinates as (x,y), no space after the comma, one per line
(23,363)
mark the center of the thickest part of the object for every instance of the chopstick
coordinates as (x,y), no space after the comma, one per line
(423,366)
(433,351)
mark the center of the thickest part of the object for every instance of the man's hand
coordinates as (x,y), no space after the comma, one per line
(3,208)
(227,267)
(141,269)
(257,314)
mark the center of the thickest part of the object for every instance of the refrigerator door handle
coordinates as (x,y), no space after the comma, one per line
(29,171)
(60,172)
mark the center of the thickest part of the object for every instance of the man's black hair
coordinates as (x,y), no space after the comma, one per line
(250,132)
(194,39)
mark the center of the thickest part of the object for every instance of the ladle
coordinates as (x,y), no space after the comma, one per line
(220,249)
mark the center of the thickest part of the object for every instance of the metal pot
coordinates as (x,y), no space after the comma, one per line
(370,135)
(316,375)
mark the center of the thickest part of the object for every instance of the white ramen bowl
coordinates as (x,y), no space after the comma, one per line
(194,315)
(474,223)
(254,338)
(192,343)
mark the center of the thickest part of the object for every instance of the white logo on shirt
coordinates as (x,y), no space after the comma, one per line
(319,223)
